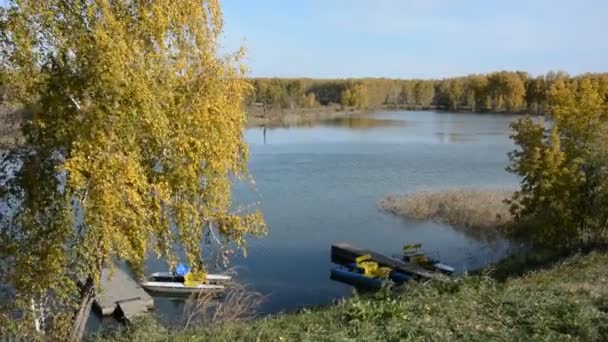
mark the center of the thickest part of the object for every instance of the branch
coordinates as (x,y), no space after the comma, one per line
(215,236)
(75,103)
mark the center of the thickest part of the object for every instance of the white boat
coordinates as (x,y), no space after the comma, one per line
(171,277)
(169,283)
(444,268)
(177,288)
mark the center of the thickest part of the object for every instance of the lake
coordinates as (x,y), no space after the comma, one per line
(321,183)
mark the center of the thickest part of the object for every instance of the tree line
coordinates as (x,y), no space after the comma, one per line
(502,91)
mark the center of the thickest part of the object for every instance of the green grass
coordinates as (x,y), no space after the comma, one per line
(566,301)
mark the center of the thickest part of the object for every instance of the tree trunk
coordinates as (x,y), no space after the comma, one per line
(38,317)
(87,295)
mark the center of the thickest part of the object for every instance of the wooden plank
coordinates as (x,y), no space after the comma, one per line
(120,287)
(344,253)
(130,308)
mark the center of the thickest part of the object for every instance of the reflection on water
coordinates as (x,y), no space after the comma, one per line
(361,122)
(320,184)
(453,137)
(392,128)
(353,122)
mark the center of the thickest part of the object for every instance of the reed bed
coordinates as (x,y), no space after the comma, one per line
(474,208)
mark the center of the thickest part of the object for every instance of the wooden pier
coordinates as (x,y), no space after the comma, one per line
(344,253)
(121,295)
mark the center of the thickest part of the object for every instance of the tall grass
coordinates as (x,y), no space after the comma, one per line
(234,304)
(474,208)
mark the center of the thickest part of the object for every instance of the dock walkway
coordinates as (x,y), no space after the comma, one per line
(121,295)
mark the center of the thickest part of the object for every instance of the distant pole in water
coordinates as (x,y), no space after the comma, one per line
(264,132)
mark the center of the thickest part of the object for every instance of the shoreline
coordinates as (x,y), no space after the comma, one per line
(297,116)
(256,117)
(519,298)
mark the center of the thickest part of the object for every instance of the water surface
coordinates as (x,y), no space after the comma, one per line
(321,183)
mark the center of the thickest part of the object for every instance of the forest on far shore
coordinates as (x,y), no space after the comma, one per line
(502,91)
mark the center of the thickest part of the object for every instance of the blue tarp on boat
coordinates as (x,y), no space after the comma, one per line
(181,270)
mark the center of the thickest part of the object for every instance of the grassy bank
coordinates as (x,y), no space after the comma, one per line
(566,301)
(476,208)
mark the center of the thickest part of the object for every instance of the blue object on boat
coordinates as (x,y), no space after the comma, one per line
(355,279)
(399,277)
(353,275)
(181,269)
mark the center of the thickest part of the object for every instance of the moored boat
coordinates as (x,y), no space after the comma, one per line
(183,282)
(443,268)
(173,277)
(177,288)
(354,276)
(365,273)
(412,253)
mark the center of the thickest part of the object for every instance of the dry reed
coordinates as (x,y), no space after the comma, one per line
(211,308)
(474,208)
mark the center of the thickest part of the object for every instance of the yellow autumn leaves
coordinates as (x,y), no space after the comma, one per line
(144,118)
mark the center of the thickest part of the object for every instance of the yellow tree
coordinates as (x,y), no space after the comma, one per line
(477,92)
(359,96)
(514,91)
(346,97)
(424,91)
(406,95)
(136,132)
(564,168)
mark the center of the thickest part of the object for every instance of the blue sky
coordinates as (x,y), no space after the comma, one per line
(417,38)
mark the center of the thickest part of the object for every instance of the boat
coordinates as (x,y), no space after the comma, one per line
(412,253)
(177,288)
(443,268)
(355,276)
(174,277)
(366,274)
(358,280)
(183,282)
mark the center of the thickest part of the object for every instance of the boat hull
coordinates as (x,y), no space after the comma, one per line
(171,277)
(360,281)
(443,268)
(177,288)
